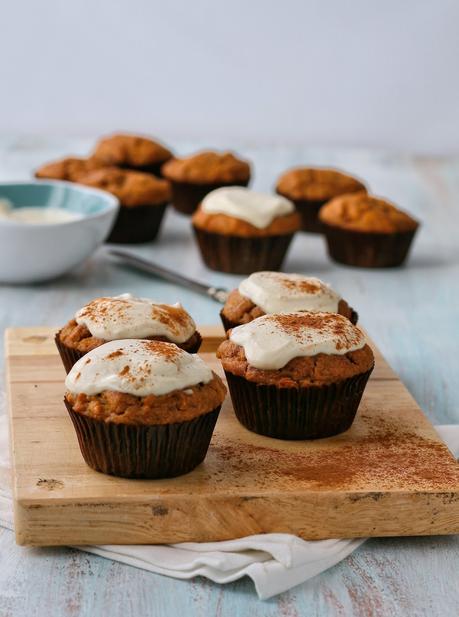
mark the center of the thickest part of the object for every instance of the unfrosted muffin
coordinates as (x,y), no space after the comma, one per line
(132,152)
(366,231)
(311,187)
(240,231)
(143,409)
(122,317)
(296,375)
(143,201)
(195,176)
(278,292)
(69,169)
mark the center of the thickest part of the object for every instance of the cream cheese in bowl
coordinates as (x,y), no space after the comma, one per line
(35,215)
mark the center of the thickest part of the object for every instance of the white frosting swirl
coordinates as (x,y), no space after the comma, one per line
(258,209)
(277,292)
(126,316)
(137,367)
(271,341)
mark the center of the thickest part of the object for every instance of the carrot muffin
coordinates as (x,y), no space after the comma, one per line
(143,409)
(195,176)
(366,231)
(132,152)
(121,317)
(69,169)
(310,188)
(296,375)
(143,201)
(241,231)
(277,292)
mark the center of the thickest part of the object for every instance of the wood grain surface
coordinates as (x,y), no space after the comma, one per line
(388,475)
(412,316)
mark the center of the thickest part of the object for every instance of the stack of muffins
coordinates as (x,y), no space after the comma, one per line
(238,230)
(144,404)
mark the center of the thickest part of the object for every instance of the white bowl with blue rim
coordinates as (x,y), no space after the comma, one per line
(49,227)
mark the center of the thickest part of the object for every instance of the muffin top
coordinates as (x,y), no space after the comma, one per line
(70,169)
(130,151)
(132,188)
(361,212)
(316,184)
(279,292)
(207,168)
(239,211)
(292,349)
(127,316)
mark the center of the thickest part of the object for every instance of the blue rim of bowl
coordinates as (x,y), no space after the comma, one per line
(112,202)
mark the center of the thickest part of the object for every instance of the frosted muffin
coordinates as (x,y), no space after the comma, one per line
(125,317)
(143,202)
(278,292)
(193,177)
(69,169)
(296,375)
(366,231)
(240,231)
(133,152)
(143,409)
(311,187)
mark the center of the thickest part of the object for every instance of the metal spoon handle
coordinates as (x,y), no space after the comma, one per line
(219,294)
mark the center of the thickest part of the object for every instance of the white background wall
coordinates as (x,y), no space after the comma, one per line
(324,72)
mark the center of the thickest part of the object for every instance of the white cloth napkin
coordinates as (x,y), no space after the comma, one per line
(275,562)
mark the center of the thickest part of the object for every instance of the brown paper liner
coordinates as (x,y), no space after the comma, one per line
(309,212)
(137,224)
(141,451)
(297,413)
(368,250)
(228,324)
(186,196)
(69,356)
(238,255)
(154,169)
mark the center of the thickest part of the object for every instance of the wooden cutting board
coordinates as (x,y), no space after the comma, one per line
(389,475)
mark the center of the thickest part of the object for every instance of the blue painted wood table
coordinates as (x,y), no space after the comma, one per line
(411,313)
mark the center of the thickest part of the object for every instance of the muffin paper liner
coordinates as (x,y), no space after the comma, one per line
(297,413)
(186,196)
(137,224)
(368,250)
(238,255)
(143,451)
(309,212)
(69,356)
(228,324)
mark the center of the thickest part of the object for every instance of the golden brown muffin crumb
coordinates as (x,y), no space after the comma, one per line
(126,150)
(207,168)
(132,188)
(231,226)
(316,184)
(69,169)
(361,212)
(176,406)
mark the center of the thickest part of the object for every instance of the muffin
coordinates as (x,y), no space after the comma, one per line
(125,317)
(143,409)
(143,201)
(69,169)
(132,152)
(310,188)
(296,375)
(241,231)
(366,231)
(193,177)
(277,292)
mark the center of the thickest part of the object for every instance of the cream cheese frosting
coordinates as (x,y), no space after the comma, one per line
(258,209)
(278,292)
(137,367)
(127,316)
(271,341)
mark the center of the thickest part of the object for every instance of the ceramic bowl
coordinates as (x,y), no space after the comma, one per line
(31,252)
